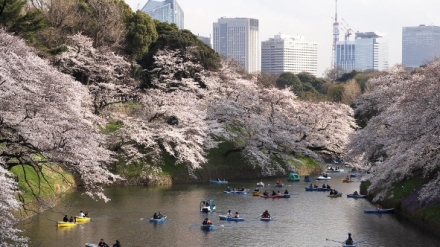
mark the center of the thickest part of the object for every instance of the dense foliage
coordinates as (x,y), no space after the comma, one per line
(402,134)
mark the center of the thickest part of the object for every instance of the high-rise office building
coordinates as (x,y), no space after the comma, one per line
(371,51)
(165,11)
(238,38)
(345,55)
(206,40)
(420,45)
(286,53)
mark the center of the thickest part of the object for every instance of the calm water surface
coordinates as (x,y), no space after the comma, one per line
(305,219)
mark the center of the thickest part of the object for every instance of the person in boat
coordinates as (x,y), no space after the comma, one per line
(207,204)
(71,219)
(218,179)
(81,214)
(266,193)
(349,240)
(315,186)
(102,243)
(311,186)
(229,215)
(242,189)
(379,207)
(236,215)
(331,192)
(279,193)
(306,177)
(155,216)
(355,193)
(207,222)
(347,178)
(265,214)
(160,215)
(286,192)
(335,192)
(228,189)
(328,186)
(324,175)
(323,186)
(257,190)
(117,244)
(65,219)
(86,214)
(274,193)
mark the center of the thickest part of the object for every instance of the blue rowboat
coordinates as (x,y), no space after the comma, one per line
(307,180)
(239,192)
(279,185)
(207,206)
(159,220)
(224,217)
(380,211)
(207,227)
(266,219)
(260,184)
(356,196)
(218,182)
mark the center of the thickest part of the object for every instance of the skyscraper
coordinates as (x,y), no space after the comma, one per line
(165,11)
(345,55)
(371,51)
(239,39)
(286,53)
(420,45)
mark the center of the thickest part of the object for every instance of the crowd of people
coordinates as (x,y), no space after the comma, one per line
(104,244)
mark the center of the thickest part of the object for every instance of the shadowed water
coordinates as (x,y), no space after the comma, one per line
(305,219)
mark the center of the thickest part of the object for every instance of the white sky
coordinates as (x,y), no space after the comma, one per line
(312,19)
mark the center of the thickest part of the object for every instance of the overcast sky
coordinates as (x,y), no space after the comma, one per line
(313,19)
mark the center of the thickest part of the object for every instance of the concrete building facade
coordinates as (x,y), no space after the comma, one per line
(287,53)
(420,45)
(345,55)
(165,11)
(238,38)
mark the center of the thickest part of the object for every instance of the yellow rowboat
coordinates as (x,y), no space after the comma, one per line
(256,193)
(347,181)
(66,224)
(80,219)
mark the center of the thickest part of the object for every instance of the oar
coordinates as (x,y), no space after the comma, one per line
(334,240)
(259,216)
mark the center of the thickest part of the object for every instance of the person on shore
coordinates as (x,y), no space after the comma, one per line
(117,244)
(65,219)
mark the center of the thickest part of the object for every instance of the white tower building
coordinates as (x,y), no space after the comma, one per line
(239,39)
(286,53)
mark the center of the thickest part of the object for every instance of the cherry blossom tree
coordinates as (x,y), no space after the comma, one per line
(45,117)
(402,134)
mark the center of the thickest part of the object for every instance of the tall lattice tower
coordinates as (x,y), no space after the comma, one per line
(335,36)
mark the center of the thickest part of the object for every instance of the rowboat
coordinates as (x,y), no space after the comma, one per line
(260,184)
(279,185)
(265,219)
(293,177)
(81,219)
(66,224)
(240,192)
(207,206)
(349,245)
(218,181)
(356,196)
(224,217)
(317,189)
(347,181)
(256,193)
(334,196)
(323,178)
(334,170)
(307,179)
(207,227)
(276,196)
(353,175)
(379,211)
(159,220)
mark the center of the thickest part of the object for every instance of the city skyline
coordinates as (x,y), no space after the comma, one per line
(313,19)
